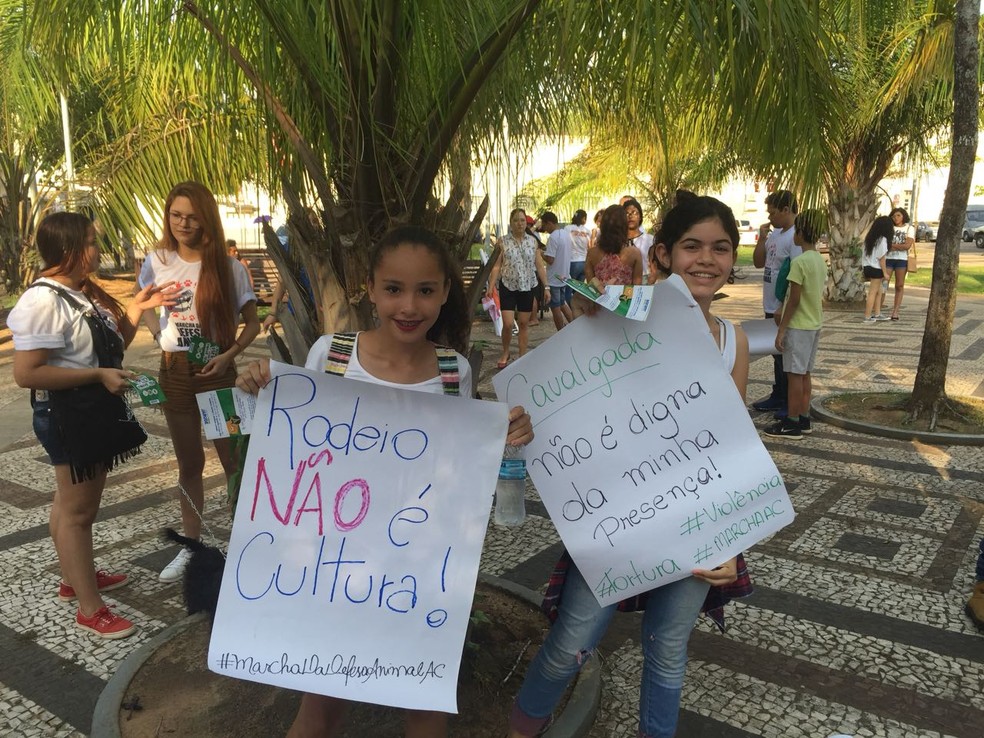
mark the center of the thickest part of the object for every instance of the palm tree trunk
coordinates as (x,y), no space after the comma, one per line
(929,390)
(850,211)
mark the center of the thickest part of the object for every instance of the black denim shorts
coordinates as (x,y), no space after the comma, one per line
(47,434)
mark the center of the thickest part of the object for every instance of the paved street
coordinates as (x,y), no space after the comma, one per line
(856,627)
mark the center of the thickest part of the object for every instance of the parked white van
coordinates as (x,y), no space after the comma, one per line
(974,219)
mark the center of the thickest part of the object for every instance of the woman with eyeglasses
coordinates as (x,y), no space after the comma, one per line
(197,336)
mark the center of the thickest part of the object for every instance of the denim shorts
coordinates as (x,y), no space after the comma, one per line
(894,264)
(558,296)
(47,434)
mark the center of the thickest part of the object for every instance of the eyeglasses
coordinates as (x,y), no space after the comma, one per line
(181,219)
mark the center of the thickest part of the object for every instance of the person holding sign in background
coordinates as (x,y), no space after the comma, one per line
(420,300)
(698,241)
(69,337)
(799,328)
(197,336)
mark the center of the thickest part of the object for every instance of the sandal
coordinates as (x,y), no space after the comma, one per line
(503,364)
(895,317)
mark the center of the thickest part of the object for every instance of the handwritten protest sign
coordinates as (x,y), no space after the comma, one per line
(644,456)
(356,541)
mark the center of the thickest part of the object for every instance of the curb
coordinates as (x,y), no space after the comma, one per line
(106,715)
(898,434)
(579,714)
(574,722)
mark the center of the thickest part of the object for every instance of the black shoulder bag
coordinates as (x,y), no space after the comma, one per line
(94,425)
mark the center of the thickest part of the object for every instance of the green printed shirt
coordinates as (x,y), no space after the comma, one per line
(809,271)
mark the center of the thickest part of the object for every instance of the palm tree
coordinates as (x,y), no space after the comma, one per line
(363,101)
(892,64)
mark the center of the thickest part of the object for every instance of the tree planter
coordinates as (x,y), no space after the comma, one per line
(180,697)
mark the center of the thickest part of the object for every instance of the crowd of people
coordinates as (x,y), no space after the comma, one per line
(196,299)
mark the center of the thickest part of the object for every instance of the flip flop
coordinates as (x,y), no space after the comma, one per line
(503,364)
(895,317)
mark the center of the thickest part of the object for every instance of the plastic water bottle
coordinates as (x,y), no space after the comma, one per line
(510,490)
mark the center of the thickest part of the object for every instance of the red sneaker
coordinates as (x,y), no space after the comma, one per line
(105,624)
(105,582)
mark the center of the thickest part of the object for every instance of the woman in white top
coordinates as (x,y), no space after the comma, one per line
(69,337)
(514,276)
(904,238)
(873,264)
(637,237)
(214,294)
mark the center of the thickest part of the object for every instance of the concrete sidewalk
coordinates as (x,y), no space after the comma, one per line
(856,626)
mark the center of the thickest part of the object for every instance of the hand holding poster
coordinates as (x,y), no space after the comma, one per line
(356,541)
(644,456)
(629,301)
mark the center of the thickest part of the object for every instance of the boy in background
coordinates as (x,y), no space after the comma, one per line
(799,328)
(774,246)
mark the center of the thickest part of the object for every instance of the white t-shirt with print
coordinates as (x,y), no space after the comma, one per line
(643,242)
(559,248)
(180,321)
(42,319)
(580,235)
(901,234)
(318,358)
(778,247)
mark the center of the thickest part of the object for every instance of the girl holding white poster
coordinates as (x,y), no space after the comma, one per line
(420,302)
(699,242)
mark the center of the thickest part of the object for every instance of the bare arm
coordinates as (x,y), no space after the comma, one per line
(32,370)
(251,329)
(728,571)
(275,303)
(758,255)
(494,275)
(788,311)
(145,301)
(739,373)
(636,267)
(541,267)
(589,265)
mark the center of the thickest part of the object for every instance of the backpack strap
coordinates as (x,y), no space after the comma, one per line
(343,344)
(339,353)
(447,362)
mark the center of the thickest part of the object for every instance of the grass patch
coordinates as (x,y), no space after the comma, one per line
(890,409)
(745,256)
(970,279)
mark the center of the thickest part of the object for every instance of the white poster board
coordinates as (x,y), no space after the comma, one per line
(761,336)
(356,540)
(644,455)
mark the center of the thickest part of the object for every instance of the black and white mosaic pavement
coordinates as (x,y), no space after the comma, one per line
(856,627)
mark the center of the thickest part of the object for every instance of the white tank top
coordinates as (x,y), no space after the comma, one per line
(726,343)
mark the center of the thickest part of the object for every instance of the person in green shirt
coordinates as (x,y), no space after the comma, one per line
(799,328)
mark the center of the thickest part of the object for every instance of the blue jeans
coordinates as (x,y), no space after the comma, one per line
(667,623)
(577,270)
